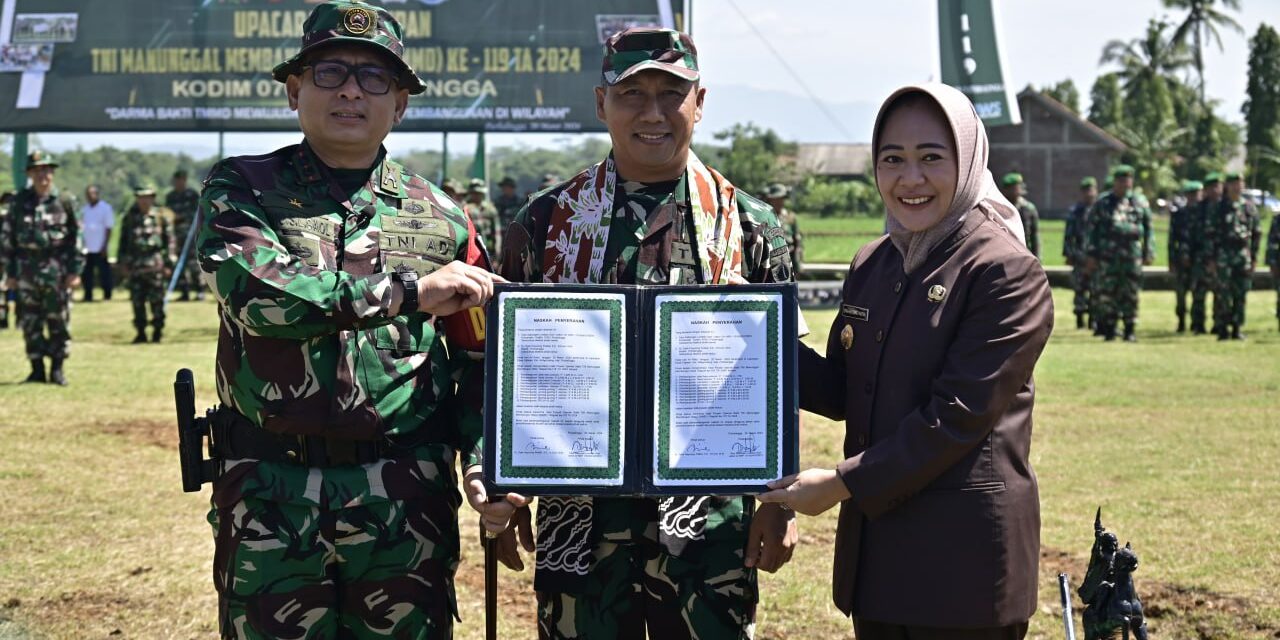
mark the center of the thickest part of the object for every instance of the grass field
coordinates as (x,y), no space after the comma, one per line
(1175,437)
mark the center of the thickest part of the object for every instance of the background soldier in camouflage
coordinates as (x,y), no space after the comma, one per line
(679,567)
(1120,242)
(482,212)
(1202,258)
(1013,188)
(1073,244)
(335,511)
(1180,243)
(1273,258)
(1234,237)
(508,204)
(776,195)
(43,261)
(6,199)
(184,202)
(146,257)
(453,189)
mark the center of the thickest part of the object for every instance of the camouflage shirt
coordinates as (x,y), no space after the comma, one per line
(1073,239)
(507,208)
(1030,224)
(1236,233)
(1181,221)
(485,217)
(302,274)
(1273,246)
(183,204)
(146,242)
(41,230)
(1119,230)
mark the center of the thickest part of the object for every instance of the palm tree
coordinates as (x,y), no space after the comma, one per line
(1144,59)
(1201,25)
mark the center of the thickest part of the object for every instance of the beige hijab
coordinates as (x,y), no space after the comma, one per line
(975,187)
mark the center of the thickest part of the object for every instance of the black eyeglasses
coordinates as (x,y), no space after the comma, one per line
(331,74)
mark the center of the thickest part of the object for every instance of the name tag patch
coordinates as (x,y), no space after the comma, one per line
(856,313)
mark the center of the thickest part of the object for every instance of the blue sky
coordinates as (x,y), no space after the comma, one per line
(853,53)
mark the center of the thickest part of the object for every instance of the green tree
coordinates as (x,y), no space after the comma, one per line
(1262,109)
(1106,107)
(1066,93)
(1199,27)
(755,157)
(837,198)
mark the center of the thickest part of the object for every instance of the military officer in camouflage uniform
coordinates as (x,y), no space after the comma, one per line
(146,259)
(43,261)
(6,199)
(776,195)
(1273,258)
(183,201)
(335,510)
(1011,185)
(482,212)
(652,213)
(453,189)
(1202,258)
(1119,242)
(1235,237)
(507,203)
(1073,243)
(1180,243)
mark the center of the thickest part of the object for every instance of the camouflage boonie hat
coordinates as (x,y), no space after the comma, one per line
(1088,181)
(1011,178)
(1191,185)
(629,52)
(40,158)
(777,190)
(339,22)
(1120,170)
(476,185)
(144,188)
(452,186)
(1213,177)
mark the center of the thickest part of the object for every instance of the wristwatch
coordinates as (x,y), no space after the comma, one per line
(409,284)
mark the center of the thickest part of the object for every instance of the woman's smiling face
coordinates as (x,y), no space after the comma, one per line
(916,167)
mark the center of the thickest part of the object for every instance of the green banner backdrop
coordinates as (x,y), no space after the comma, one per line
(971,60)
(205,65)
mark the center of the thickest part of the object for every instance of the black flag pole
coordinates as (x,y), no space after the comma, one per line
(490,581)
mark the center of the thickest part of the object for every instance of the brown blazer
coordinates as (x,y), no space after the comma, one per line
(943,527)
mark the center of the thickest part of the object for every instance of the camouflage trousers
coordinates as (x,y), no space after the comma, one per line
(636,586)
(1182,284)
(1115,295)
(1080,284)
(1201,285)
(379,570)
(190,280)
(44,311)
(4,303)
(1234,282)
(147,291)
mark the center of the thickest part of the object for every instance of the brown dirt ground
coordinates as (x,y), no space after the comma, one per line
(156,433)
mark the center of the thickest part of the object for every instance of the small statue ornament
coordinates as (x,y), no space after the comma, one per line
(1111,602)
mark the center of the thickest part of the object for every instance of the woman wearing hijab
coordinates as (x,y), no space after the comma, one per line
(929,363)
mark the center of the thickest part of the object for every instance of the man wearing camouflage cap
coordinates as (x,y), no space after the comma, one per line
(184,202)
(1073,243)
(146,259)
(650,213)
(1180,243)
(507,203)
(1273,258)
(1203,272)
(335,510)
(1119,242)
(776,195)
(1011,185)
(42,258)
(1234,236)
(482,212)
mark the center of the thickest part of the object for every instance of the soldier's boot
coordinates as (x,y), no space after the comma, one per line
(156,334)
(1109,331)
(1197,328)
(141,337)
(184,296)
(199,295)
(1129,335)
(55,373)
(1236,334)
(1182,324)
(37,371)
(1222,334)
(1079,320)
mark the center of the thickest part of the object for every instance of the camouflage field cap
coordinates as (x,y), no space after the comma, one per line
(1191,185)
(1213,177)
(1233,176)
(629,52)
(40,158)
(777,190)
(144,189)
(340,22)
(1122,170)
(1088,181)
(508,181)
(476,185)
(452,186)
(1011,178)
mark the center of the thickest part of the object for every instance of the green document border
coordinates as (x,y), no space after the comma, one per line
(510,304)
(664,471)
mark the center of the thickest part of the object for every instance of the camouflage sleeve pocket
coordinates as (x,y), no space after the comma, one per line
(406,334)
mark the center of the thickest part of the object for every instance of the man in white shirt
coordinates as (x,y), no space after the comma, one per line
(98,218)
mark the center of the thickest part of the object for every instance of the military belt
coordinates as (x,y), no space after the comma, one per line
(235,437)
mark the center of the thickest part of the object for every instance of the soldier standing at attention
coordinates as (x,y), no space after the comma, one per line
(1014,190)
(146,260)
(508,204)
(184,202)
(776,195)
(1073,242)
(43,263)
(682,567)
(6,199)
(1120,243)
(1273,258)
(1180,247)
(1202,257)
(335,508)
(1235,238)
(482,212)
